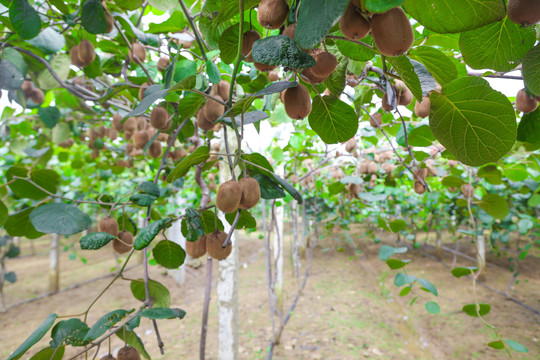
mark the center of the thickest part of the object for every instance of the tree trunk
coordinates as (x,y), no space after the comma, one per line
(278,256)
(438,241)
(481,255)
(54,264)
(296,240)
(174,233)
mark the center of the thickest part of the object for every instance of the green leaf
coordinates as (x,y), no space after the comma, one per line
(398,225)
(332,119)
(49,115)
(405,291)
(213,72)
(414,74)
(3,213)
(19,224)
(259,160)
(169,254)
(531,70)
(163,5)
(143,199)
(281,50)
(147,102)
(175,23)
(427,286)
(200,155)
(433,307)
(471,309)
(532,202)
(69,332)
(463,271)
(192,226)
(14,57)
(131,338)
(93,17)
(457,16)
(386,251)
(24,19)
(126,223)
(148,187)
(10,77)
(529,129)
(499,345)
(158,293)
(209,221)
(395,264)
(494,205)
(228,43)
(270,189)
(44,178)
(11,277)
(246,220)
(516,346)
(61,66)
(474,122)
(436,62)
(354,51)
(149,233)
(47,354)
(104,323)
(338,79)
(499,46)
(289,188)
(189,105)
(163,313)
(491,174)
(315,19)
(49,41)
(34,337)
(452,181)
(96,240)
(401,279)
(379,6)
(420,136)
(59,218)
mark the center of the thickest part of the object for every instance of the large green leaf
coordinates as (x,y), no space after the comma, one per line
(531,70)
(44,179)
(514,345)
(49,115)
(443,16)
(337,80)
(269,188)
(499,46)
(354,51)
(175,23)
(50,354)
(163,313)
(333,120)
(69,332)
(420,136)
(529,129)
(281,50)
(315,19)
(158,293)
(60,64)
(437,63)
(34,337)
(189,105)
(105,323)
(201,154)
(474,122)
(95,240)
(19,224)
(24,19)
(228,43)
(209,221)
(148,234)
(192,225)
(59,218)
(93,17)
(169,254)
(49,41)
(494,205)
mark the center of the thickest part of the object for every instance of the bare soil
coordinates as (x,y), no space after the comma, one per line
(350,308)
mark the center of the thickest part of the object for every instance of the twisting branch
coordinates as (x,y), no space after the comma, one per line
(200,41)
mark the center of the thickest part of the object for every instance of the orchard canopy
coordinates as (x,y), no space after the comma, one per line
(113,108)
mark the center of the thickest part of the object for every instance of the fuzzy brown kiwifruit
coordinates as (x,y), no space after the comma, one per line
(273,76)
(325,65)
(392,32)
(524,12)
(352,24)
(108,225)
(212,186)
(128,353)
(117,122)
(196,249)
(214,245)
(354,188)
(130,124)
(421,173)
(142,124)
(37,96)
(74,56)
(202,121)
(163,137)
(100,131)
(375,120)
(27,86)
(404,95)
(110,22)
(297,102)
(124,241)
(112,134)
(159,117)
(251,193)
(467,190)
(163,63)
(249,38)
(312,77)
(385,104)
(289,31)
(228,196)
(142,89)
(421,109)
(86,52)
(222,89)
(271,14)
(137,50)
(419,188)
(213,110)
(525,103)
(264,67)
(155,150)
(350,145)
(140,139)
(108,357)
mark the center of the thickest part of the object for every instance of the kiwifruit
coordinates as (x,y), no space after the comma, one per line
(525,103)
(167,125)
(112,134)
(155,150)
(137,50)
(264,67)
(74,56)
(213,110)
(141,138)
(352,24)
(212,186)
(110,22)
(467,190)
(421,173)
(419,188)
(130,124)
(108,225)
(228,196)
(404,95)
(108,357)
(375,120)
(37,96)
(357,3)
(289,31)
(273,76)
(196,249)
(159,117)
(312,77)
(27,86)
(128,135)
(372,181)
(128,353)
(353,188)
(524,12)
(142,124)
(350,145)
(271,14)
(117,122)
(142,89)
(100,131)
(297,102)
(421,109)
(222,89)
(371,167)
(251,193)
(163,63)
(325,65)
(249,38)
(214,245)
(163,137)
(392,32)
(86,52)
(202,121)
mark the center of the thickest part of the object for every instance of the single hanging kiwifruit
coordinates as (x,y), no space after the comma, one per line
(289,31)
(249,38)
(524,12)
(213,109)
(251,193)
(352,24)
(273,76)
(228,196)
(108,225)
(214,245)
(138,50)
(202,121)
(419,188)
(74,56)
(163,63)
(128,353)
(124,243)
(130,124)
(27,86)
(421,109)
(142,89)
(155,150)
(110,22)
(86,52)
(117,122)
(525,103)
(37,96)
(351,145)
(141,138)
(325,65)
(297,102)
(222,89)
(392,32)
(405,96)
(272,14)
(159,117)
(196,249)
(375,120)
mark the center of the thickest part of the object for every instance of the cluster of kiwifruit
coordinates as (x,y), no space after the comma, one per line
(367,166)
(83,54)
(33,93)
(524,12)
(213,110)
(95,137)
(526,103)
(420,175)
(243,194)
(211,243)
(123,241)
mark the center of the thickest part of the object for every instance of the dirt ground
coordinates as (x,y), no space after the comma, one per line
(350,308)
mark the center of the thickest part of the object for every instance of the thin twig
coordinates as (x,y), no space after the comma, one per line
(200,41)
(227,240)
